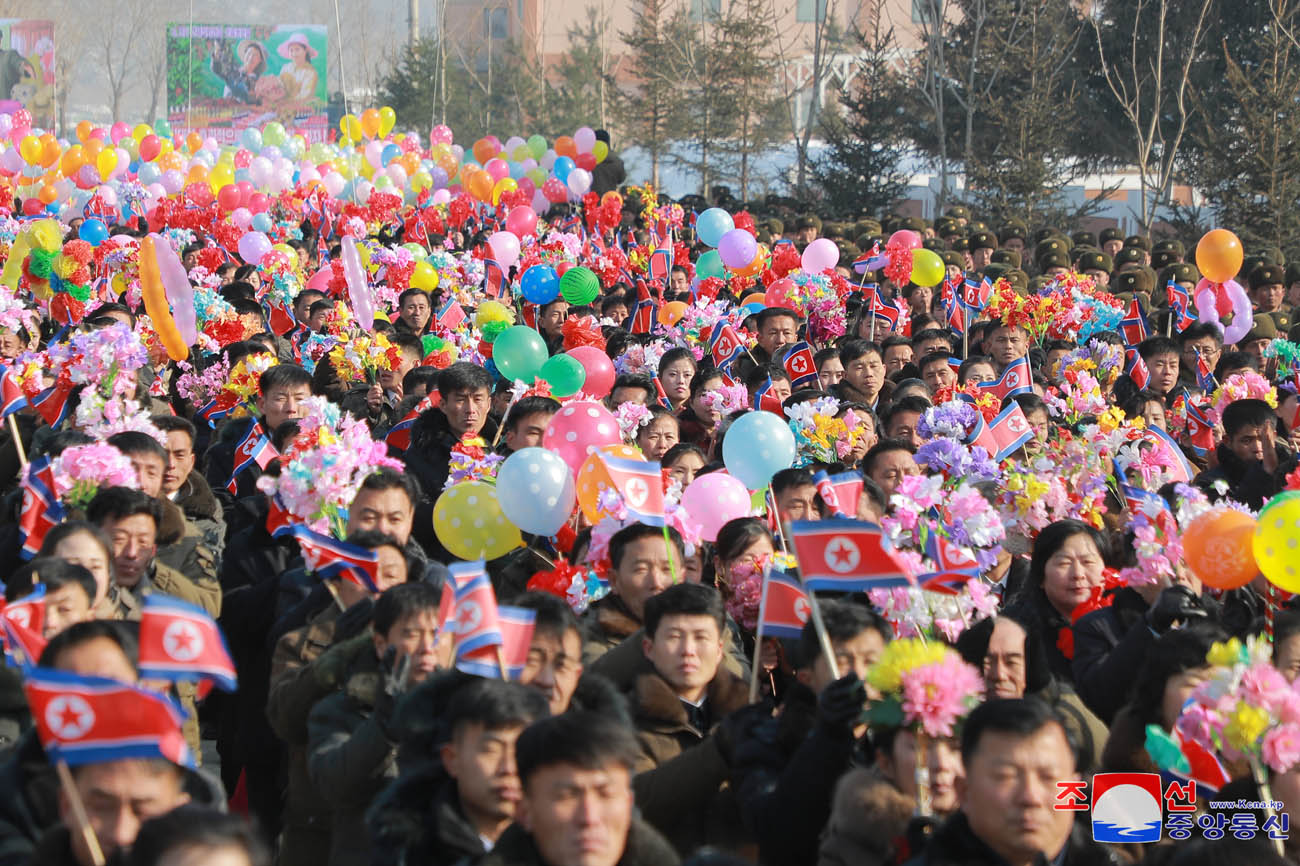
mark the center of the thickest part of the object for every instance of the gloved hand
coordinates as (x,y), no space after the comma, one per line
(737,728)
(1174,604)
(396,674)
(839,707)
(330,669)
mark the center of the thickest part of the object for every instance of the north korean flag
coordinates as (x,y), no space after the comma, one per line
(1134,326)
(888,314)
(1015,380)
(1179,466)
(871,296)
(846,555)
(11,393)
(1181,304)
(725,345)
(977,294)
(643,317)
(517,625)
(328,557)
(661,396)
(281,319)
(954,565)
(1200,432)
(475,620)
(494,278)
(279,522)
(93,720)
(766,401)
(1137,369)
(181,643)
(641,486)
(52,403)
(1139,501)
(798,363)
(839,492)
(255,447)
(450,315)
(1204,766)
(1011,430)
(957,317)
(41,508)
(399,437)
(784,607)
(23,620)
(661,263)
(1204,375)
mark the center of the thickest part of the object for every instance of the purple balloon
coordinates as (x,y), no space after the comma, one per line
(820,256)
(737,248)
(253,246)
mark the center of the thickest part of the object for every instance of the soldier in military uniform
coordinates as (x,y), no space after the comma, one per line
(1112,241)
(982,245)
(1268,294)
(1097,265)
(807,229)
(1013,236)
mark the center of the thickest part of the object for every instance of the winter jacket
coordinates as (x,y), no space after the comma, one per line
(1248,481)
(31,802)
(181,549)
(1032,607)
(204,513)
(868,817)
(1109,647)
(625,660)
(608,622)
(219,464)
(417,821)
(645,847)
(955,844)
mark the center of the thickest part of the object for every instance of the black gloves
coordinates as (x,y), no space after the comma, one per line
(396,673)
(839,707)
(1174,604)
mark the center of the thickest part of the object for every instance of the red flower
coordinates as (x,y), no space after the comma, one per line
(1293,480)
(1065,642)
(582,331)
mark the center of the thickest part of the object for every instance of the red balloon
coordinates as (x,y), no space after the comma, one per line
(562,268)
(555,190)
(228,198)
(21,117)
(258,202)
(32,206)
(600,370)
(199,193)
(778,294)
(907,239)
(586,161)
(150,147)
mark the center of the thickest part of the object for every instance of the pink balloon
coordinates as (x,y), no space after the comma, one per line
(321,280)
(505,248)
(497,168)
(819,256)
(176,285)
(1243,318)
(440,135)
(584,139)
(714,499)
(579,429)
(241,217)
(522,220)
(363,300)
(905,238)
(600,370)
(118,131)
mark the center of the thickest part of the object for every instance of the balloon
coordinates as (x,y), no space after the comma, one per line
(505,249)
(469,521)
(710,265)
(1219,255)
(820,256)
(600,150)
(262,222)
(155,301)
(424,277)
(714,499)
(369,122)
(93,231)
(519,353)
(1276,544)
(1242,312)
(671,313)
(539,284)
(599,369)
(584,139)
(253,246)
(593,478)
(756,265)
(711,225)
(580,428)
(150,147)
(905,238)
(536,146)
(737,248)
(579,286)
(387,117)
(927,268)
(565,374)
(363,301)
(106,162)
(545,488)
(1217,548)
(579,181)
(757,446)
(563,165)
(522,221)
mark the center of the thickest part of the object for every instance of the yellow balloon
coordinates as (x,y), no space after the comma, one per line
(387,117)
(1277,541)
(30,148)
(221,175)
(600,150)
(106,162)
(468,521)
(503,186)
(140,131)
(424,277)
(492,311)
(350,126)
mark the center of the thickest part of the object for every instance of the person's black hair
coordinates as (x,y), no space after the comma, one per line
(884,446)
(684,599)
(844,620)
(672,356)
(408,341)
(1022,716)
(906,404)
(973,645)
(1199,331)
(767,314)
(420,375)
(757,376)
(124,634)
(824,355)
(282,435)
(736,536)
(875,493)
(619,541)
(584,739)
(117,503)
(321,306)
(554,616)
(283,376)
(972,361)
(245,271)
(787,479)
(387,478)
(411,292)
(895,340)
(635,380)
(135,442)
(464,376)
(932,334)
(237,290)
(69,528)
(656,412)
(115,307)
(196,827)
(1234,362)
(1151,347)
(173,424)
(317,293)
(494,704)
(1136,403)
(247,307)
(406,599)
(681,449)
(1052,539)
(701,380)
(930,359)
(855,349)
(53,573)
(529,406)
(1059,345)
(1246,413)
(1028,402)
(1172,653)
(999,324)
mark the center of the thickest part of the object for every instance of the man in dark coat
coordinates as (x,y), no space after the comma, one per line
(1252,462)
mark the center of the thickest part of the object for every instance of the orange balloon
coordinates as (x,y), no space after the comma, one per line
(1218,546)
(47,194)
(480,186)
(73,159)
(593,478)
(612,198)
(754,298)
(483,151)
(83,130)
(564,146)
(1219,255)
(169,161)
(756,266)
(197,174)
(194,141)
(50,152)
(671,313)
(370,122)
(155,303)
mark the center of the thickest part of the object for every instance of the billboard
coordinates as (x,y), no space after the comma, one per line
(224,78)
(27,69)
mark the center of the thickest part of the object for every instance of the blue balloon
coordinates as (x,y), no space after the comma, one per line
(516,169)
(540,284)
(149,173)
(389,153)
(261,222)
(542,490)
(752,308)
(251,139)
(711,225)
(564,165)
(93,231)
(757,446)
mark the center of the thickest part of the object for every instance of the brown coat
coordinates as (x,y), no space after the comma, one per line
(868,817)
(608,623)
(682,783)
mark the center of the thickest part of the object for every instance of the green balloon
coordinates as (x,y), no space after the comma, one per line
(162,127)
(537,146)
(710,265)
(579,285)
(565,373)
(519,353)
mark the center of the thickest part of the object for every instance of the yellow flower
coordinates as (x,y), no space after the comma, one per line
(1224,654)
(900,657)
(1245,727)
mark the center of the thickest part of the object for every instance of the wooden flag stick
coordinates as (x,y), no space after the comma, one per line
(758,642)
(18,440)
(815,614)
(78,808)
(501,663)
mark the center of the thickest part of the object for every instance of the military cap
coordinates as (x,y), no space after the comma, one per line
(1254,260)
(954,259)
(1044,233)
(1018,279)
(1048,246)
(959,212)
(1172,245)
(946,225)
(1053,260)
(1181,272)
(1133,282)
(775,226)
(1140,241)
(1013,229)
(1282,319)
(1129,256)
(1292,274)
(976,226)
(995,271)
(935,244)
(866,227)
(808,221)
(848,252)
(983,240)
(1264,328)
(1110,234)
(832,230)
(1084,239)
(1094,260)
(1009,257)
(1163,258)
(1275,255)
(1037,284)
(762,235)
(961,245)
(1267,275)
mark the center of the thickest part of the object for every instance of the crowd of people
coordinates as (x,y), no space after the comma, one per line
(814,542)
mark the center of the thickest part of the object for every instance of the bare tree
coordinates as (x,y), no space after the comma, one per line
(1151,92)
(115,46)
(804,65)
